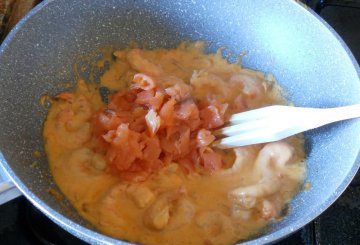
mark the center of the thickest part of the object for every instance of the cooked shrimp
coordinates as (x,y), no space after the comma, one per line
(72,121)
(111,213)
(138,62)
(252,84)
(82,113)
(243,155)
(182,213)
(240,213)
(141,195)
(215,224)
(205,83)
(169,80)
(273,158)
(168,178)
(170,211)
(264,187)
(74,139)
(269,164)
(268,210)
(85,162)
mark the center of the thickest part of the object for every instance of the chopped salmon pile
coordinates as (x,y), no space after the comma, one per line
(148,126)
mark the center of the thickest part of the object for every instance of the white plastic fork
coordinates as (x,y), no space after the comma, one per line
(277,122)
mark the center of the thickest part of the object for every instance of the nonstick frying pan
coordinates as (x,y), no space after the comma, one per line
(306,56)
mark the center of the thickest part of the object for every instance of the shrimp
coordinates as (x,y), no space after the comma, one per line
(168,80)
(169,177)
(85,171)
(83,176)
(265,208)
(157,217)
(243,155)
(111,213)
(181,214)
(239,213)
(215,224)
(82,113)
(138,62)
(252,83)
(246,196)
(76,111)
(170,211)
(268,210)
(271,160)
(85,162)
(141,195)
(175,87)
(204,83)
(72,122)
(273,157)
(75,139)
(276,163)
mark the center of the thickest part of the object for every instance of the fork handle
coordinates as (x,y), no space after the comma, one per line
(341,113)
(320,117)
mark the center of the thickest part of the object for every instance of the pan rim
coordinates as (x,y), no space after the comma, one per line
(96,237)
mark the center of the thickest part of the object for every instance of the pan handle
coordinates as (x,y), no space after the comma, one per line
(8,190)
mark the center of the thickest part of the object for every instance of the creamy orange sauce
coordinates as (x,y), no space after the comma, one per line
(172,207)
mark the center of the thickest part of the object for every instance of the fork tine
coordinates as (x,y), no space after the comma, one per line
(255,114)
(253,137)
(244,127)
(265,130)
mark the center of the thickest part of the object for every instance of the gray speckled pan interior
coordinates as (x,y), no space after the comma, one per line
(281,37)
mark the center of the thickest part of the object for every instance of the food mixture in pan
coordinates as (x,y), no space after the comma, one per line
(140,164)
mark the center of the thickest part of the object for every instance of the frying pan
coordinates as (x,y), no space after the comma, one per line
(282,37)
